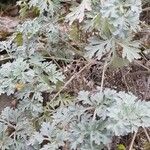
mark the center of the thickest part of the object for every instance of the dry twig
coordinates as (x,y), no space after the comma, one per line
(74,76)
(133,139)
(146,133)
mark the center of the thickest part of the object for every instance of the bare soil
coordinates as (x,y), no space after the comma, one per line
(5,101)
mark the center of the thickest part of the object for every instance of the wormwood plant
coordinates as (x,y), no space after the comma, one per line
(90,120)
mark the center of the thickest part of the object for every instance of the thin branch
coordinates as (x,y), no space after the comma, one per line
(9,124)
(103,76)
(5,58)
(104,70)
(146,9)
(94,116)
(142,66)
(102,84)
(146,133)
(133,139)
(64,59)
(73,77)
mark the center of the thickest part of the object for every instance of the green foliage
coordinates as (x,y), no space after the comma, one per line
(29,78)
(121,147)
(15,130)
(116,20)
(90,120)
(79,12)
(93,119)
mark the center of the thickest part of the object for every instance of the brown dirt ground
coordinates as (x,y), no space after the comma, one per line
(133,78)
(5,101)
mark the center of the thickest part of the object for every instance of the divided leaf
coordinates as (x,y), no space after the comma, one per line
(79,12)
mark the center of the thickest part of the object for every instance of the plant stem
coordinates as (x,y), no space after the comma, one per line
(74,76)
(146,9)
(133,139)
(148,137)
(103,77)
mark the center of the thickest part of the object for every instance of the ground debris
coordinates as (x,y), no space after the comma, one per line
(7,26)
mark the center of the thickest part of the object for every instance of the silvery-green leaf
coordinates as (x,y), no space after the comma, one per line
(79,12)
(130,50)
(97,47)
